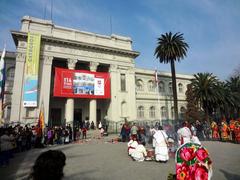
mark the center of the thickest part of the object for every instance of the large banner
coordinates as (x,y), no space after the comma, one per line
(81,84)
(31,70)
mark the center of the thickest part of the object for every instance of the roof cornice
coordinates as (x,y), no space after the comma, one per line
(18,34)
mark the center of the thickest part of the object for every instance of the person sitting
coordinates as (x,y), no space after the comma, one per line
(49,165)
(132,144)
(140,153)
(193,162)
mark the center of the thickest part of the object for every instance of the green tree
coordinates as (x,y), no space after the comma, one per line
(171,48)
(192,111)
(206,91)
(233,85)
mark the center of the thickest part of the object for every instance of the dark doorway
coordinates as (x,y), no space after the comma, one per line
(77,118)
(56,117)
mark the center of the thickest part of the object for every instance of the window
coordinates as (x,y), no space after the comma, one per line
(139,85)
(180,88)
(170,87)
(123,109)
(152,112)
(123,82)
(172,113)
(163,112)
(161,86)
(10,73)
(151,86)
(140,112)
(182,112)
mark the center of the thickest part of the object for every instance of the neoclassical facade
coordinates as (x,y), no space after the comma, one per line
(133,90)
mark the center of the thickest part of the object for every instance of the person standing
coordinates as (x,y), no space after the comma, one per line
(84,132)
(134,131)
(199,128)
(215,131)
(161,150)
(184,134)
(225,131)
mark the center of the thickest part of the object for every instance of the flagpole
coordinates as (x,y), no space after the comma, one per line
(2,83)
(158,97)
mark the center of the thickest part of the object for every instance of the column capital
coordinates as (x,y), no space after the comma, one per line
(113,68)
(21,57)
(72,63)
(93,66)
(47,60)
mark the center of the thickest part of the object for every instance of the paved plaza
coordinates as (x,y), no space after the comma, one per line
(101,159)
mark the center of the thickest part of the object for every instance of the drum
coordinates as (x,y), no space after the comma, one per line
(150,153)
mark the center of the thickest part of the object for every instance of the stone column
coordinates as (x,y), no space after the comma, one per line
(69,106)
(93,102)
(17,104)
(113,111)
(45,86)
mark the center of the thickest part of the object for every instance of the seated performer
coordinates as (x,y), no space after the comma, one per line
(140,153)
(193,162)
(132,144)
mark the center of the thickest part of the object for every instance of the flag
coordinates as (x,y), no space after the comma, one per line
(41,123)
(2,74)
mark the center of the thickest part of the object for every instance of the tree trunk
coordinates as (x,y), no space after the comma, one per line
(174,89)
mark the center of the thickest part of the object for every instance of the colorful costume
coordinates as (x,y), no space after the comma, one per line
(225,131)
(237,132)
(193,163)
(232,127)
(215,133)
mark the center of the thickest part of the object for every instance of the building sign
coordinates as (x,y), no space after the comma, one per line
(31,70)
(81,84)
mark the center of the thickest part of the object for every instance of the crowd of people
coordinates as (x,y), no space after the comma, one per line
(192,159)
(15,139)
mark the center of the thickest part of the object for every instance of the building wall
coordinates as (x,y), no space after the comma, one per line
(72,46)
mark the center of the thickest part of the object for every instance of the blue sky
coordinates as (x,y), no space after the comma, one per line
(210,27)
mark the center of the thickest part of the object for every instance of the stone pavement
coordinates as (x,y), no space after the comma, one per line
(102,159)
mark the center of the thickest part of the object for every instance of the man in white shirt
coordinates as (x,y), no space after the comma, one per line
(184,134)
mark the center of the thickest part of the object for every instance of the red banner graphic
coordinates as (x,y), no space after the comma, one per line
(81,84)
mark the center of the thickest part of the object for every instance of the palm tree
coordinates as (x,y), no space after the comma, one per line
(171,48)
(206,91)
(233,85)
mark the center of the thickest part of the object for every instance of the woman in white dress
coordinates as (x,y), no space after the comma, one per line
(161,150)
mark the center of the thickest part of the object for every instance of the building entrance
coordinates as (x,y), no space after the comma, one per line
(55,117)
(78,118)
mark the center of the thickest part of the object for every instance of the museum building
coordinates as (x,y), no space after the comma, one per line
(75,76)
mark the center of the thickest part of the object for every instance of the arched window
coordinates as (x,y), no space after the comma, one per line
(182,111)
(10,73)
(152,112)
(140,112)
(161,86)
(139,85)
(124,109)
(163,112)
(172,113)
(180,88)
(170,87)
(151,86)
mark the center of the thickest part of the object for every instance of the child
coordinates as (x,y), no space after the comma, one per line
(84,132)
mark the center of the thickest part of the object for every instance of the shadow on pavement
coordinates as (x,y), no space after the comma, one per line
(86,175)
(229,176)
